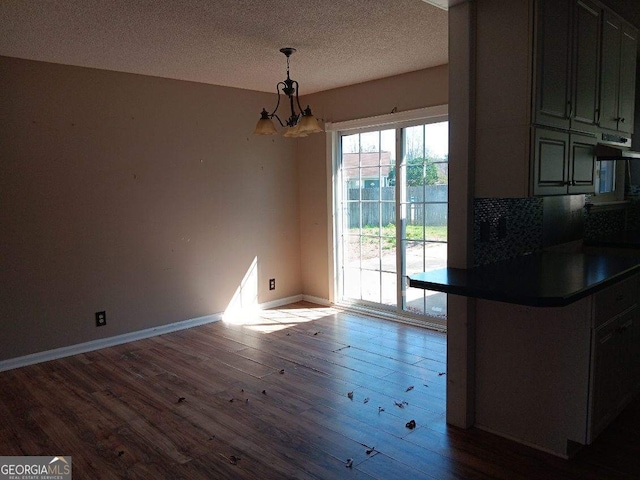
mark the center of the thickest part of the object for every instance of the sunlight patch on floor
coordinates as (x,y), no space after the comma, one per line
(274,320)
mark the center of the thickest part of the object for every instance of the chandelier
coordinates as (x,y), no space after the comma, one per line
(301,122)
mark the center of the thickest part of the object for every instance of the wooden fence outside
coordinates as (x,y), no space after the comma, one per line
(427,206)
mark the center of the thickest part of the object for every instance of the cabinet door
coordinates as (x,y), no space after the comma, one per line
(606,384)
(552,48)
(633,353)
(582,163)
(586,66)
(628,50)
(610,76)
(551,160)
(627,331)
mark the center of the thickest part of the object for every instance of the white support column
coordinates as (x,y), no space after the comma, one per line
(461,310)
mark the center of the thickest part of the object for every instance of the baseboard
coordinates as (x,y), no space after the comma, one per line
(522,442)
(280,302)
(317,300)
(85,347)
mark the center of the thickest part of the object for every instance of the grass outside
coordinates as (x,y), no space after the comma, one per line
(413,232)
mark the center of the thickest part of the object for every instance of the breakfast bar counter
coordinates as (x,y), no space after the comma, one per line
(538,280)
(556,343)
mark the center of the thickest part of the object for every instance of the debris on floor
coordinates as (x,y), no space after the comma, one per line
(442,373)
(380,409)
(264,392)
(409,388)
(369,451)
(233,460)
(281,371)
(350,395)
(401,404)
(366,400)
(411,424)
(121,453)
(349,463)
(181,399)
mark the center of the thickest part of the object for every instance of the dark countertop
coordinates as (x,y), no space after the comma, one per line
(629,239)
(539,280)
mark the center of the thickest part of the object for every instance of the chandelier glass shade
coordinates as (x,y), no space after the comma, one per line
(301,122)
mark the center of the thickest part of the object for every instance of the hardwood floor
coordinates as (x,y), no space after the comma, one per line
(295,393)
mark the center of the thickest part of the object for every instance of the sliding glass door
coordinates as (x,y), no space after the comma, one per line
(368,212)
(391,215)
(424,232)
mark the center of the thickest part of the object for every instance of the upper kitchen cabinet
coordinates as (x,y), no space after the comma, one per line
(563,163)
(544,65)
(618,81)
(567,64)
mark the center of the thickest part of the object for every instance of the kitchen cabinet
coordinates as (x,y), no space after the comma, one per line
(606,346)
(567,59)
(617,100)
(546,64)
(554,378)
(564,163)
(614,356)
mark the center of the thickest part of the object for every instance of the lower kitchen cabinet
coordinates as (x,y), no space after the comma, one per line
(611,376)
(554,378)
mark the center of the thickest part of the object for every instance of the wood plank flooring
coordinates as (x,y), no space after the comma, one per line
(298,392)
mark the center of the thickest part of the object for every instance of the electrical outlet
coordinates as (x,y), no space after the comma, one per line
(101,319)
(272,284)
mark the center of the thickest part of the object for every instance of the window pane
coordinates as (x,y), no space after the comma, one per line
(351,217)
(389,288)
(415,222)
(436,304)
(350,144)
(351,283)
(437,141)
(435,222)
(370,285)
(607,179)
(414,142)
(388,260)
(352,251)
(370,142)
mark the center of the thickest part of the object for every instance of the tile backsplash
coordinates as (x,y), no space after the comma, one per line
(505,228)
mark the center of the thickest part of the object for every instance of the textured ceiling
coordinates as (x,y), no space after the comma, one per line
(231,42)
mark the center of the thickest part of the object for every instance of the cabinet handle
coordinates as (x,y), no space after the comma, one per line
(570,108)
(598,117)
(622,120)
